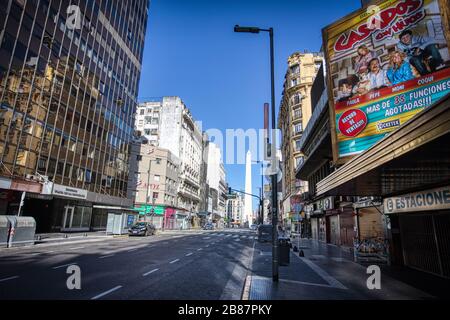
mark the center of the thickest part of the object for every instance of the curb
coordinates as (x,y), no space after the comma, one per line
(246,291)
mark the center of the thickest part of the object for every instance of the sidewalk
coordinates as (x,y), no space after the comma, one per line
(327,272)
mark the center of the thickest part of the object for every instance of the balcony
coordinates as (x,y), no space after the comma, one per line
(187,193)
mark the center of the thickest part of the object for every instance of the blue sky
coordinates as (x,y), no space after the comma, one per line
(191,51)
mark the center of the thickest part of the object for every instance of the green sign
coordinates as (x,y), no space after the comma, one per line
(147,209)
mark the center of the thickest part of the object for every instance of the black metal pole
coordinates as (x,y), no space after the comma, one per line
(261,218)
(274,175)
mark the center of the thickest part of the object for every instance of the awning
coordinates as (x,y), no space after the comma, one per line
(416,155)
(202,214)
(114,208)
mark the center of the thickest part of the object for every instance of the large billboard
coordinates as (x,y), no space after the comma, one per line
(386,63)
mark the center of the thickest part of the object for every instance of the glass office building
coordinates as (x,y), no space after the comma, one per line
(69,77)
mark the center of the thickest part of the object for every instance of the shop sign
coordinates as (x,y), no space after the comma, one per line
(147,209)
(68,192)
(435,199)
(385,63)
(326,203)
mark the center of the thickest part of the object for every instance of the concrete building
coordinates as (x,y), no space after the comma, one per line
(154,184)
(216,180)
(169,124)
(66,119)
(248,209)
(205,199)
(235,209)
(147,120)
(295,112)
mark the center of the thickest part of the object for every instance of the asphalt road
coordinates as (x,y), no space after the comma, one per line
(190,265)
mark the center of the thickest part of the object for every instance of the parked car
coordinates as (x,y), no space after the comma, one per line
(208,226)
(265,233)
(142,229)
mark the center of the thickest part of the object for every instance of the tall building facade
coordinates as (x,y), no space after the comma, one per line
(235,209)
(295,112)
(248,208)
(68,90)
(147,120)
(216,180)
(153,183)
(169,124)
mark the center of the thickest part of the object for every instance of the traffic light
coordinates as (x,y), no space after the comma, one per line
(229,190)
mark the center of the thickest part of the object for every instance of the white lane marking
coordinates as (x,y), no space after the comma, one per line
(207,246)
(50,251)
(9,278)
(176,260)
(325,276)
(64,265)
(235,236)
(107,256)
(132,250)
(76,248)
(237,240)
(189,254)
(35,254)
(199,249)
(206,238)
(106,292)
(147,273)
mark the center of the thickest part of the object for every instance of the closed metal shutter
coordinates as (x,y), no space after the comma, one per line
(442,226)
(347,225)
(426,242)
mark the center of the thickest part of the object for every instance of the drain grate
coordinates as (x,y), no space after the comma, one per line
(261,288)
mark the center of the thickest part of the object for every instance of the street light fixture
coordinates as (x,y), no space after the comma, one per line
(274,206)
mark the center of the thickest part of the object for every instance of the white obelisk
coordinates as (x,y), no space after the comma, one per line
(248,201)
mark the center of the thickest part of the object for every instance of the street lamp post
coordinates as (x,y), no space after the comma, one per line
(148,186)
(274,206)
(261,202)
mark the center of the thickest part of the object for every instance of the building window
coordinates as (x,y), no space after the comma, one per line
(298,128)
(297,98)
(295,69)
(158,160)
(142,112)
(138,157)
(157,177)
(155,195)
(297,145)
(294,82)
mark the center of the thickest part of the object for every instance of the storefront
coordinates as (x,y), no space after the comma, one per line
(332,222)
(409,171)
(153,214)
(423,220)
(347,226)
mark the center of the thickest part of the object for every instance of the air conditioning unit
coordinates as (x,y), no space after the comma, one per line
(32,177)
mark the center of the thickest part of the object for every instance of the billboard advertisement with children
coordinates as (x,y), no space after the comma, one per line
(385,63)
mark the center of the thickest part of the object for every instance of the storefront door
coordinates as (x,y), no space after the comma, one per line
(68,217)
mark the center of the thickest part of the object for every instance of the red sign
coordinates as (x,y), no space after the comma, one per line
(352,122)
(383,24)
